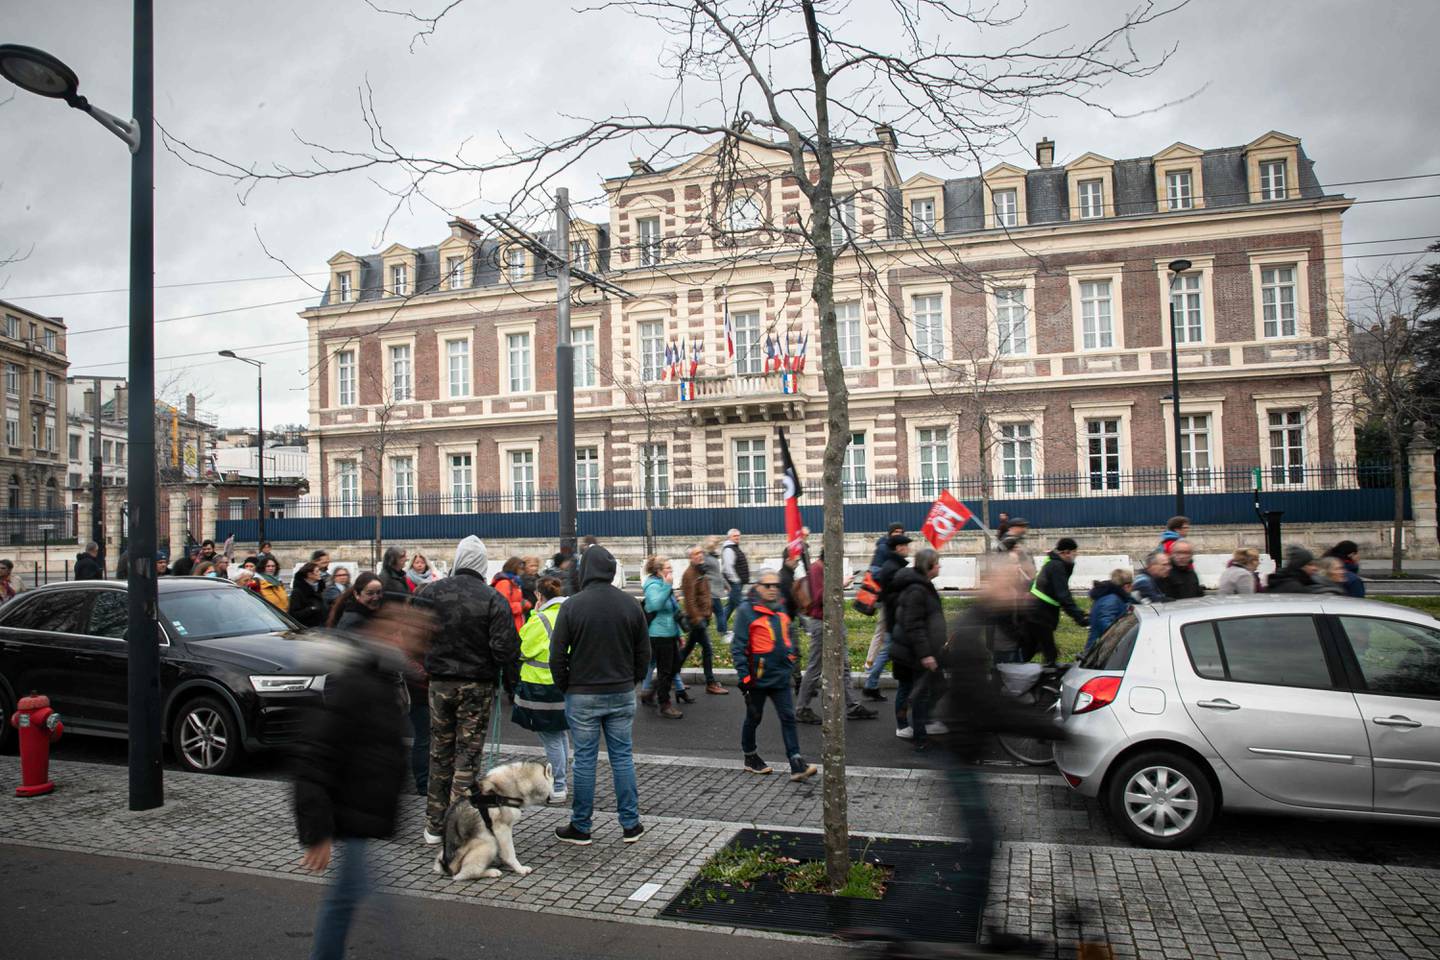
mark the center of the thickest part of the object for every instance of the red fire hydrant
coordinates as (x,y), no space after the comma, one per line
(39,727)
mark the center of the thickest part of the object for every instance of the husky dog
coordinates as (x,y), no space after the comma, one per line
(479,825)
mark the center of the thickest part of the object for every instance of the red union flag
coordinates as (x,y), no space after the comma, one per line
(947,516)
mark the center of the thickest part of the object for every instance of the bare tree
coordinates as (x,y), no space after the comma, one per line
(799,81)
(382,419)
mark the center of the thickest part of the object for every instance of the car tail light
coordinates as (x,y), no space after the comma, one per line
(1096,693)
(1071,779)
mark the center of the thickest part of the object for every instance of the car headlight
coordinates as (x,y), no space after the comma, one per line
(279,683)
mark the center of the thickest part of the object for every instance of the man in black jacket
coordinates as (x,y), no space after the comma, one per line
(893,562)
(916,642)
(475,645)
(1051,593)
(600,651)
(88,565)
(1182,582)
(352,765)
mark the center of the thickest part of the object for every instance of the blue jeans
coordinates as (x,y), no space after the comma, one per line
(730,604)
(649,682)
(755,712)
(420,746)
(352,884)
(590,715)
(557,751)
(912,700)
(872,679)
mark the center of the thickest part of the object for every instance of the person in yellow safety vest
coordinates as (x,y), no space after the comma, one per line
(1050,594)
(539,704)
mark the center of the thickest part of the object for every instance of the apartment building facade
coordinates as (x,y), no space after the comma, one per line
(32,459)
(1039,297)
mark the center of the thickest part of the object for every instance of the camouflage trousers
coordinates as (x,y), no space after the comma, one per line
(459,720)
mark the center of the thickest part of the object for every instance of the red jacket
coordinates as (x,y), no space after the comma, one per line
(509,588)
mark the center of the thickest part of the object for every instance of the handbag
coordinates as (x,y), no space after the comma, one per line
(868,596)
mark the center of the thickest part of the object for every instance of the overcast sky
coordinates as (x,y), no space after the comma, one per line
(1356,81)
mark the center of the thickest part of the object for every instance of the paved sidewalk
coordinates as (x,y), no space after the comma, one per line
(1147,903)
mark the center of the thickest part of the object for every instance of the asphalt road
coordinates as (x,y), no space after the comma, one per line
(69,906)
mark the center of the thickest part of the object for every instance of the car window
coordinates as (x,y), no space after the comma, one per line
(109,615)
(1112,651)
(1395,657)
(224,612)
(59,611)
(1282,651)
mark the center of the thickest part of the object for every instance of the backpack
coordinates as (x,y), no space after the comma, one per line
(868,596)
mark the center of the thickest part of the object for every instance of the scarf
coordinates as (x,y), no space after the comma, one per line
(418,580)
(271,579)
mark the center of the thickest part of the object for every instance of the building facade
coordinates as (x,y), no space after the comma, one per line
(1021,314)
(32,459)
(82,436)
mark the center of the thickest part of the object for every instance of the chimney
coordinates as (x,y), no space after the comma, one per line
(190,406)
(886,135)
(122,408)
(90,402)
(463,229)
(639,167)
(1045,153)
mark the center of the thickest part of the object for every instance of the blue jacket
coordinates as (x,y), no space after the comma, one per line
(883,552)
(1146,590)
(660,604)
(1168,539)
(761,648)
(1109,604)
(1354,586)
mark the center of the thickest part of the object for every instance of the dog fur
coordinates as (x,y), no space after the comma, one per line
(470,847)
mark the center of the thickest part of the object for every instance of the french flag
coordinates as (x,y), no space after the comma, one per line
(729,338)
(694,359)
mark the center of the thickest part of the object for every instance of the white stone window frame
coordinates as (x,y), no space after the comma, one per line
(344,346)
(443,453)
(846,291)
(908,293)
(391,493)
(1205,266)
(1179,158)
(996,180)
(503,331)
(403,289)
(1122,410)
(750,432)
(639,322)
(344,286)
(504,449)
(1212,407)
(1304,400)
(455,279)
(386,343)
(913,426)
(593,326)
(1035,416)
(1176,198)
(638,469)
(1085,198)
(1271,164)
(867,462)
(443,339)
(649,252)
(934,226)
(1090,273)
(1297,257)
(597,443)
(333,459)
(1082,170)
(860,354)
(1009,279)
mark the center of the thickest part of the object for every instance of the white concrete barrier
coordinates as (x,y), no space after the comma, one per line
(1088,569)
(958,573)
(619,580)
(1209,566)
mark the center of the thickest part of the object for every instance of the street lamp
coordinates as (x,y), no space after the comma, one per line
(260,420)
(1177,267)
(45,75)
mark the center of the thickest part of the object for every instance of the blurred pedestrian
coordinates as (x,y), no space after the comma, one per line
(392,572)
(220,569)
(916,645)
(664,631)
(307,602)
(348,780)
(719,590)
(1176,529)
(1296,574)
(1348,553)
(764,657)
(87,563)
(599,653)
(1051,594)
(894,562)
(883,551)
(353,608)
(539,704)
(529,574)
(270,588)
(699,607)
(735,568)
(1109,600)
(1149,587)
(419,574)
(1182,582)
(1239,577)
(813,621)
(1330,576)
(476,646)
(201,568)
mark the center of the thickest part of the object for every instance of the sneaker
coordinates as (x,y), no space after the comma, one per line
(860,712)
(870,693)
(729,637)
(714,687)
(558,796)
(633,833)
(800,770)
(569,834)
(431,839)
(753,764)
(806,715)
(905,733)
(935,728)
(669,712)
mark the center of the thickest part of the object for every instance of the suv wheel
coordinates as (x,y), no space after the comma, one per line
(1161,800)
(206,736)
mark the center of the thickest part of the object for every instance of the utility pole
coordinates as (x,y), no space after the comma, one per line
(260,418)
(97,485)
(564,377)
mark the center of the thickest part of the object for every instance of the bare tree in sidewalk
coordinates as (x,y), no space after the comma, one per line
(379,443)
(655,403)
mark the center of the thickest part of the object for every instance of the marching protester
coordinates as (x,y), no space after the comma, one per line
(507,584)
(1239,577)
(185,566)
(1182,582)
(1148,587)
(354,607)
(813,620)
(475,647)
(87,563)
(1013,546)
(539,704)
(735,568)
(1176,529)
(1109,600)
(882,552)
(894,561)
(351,766)
(220,567)
(202,569)
(699,606)
(1296,574)
(529,574)
(321,559)
(339,583)
(269,585)
(419,574)
(599,653)
(392,572)
(764,657)
(1051,592)
(719,589)
(1348,553)
(661,611)
(307,603)
(917,642)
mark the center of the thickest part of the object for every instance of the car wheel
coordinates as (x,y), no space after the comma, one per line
(206,736)
(1161,800)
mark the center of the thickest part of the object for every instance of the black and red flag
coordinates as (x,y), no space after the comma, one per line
(791,481)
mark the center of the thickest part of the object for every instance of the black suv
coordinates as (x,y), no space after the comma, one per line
(235,674)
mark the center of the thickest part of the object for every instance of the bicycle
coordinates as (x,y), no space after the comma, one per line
(1038,686)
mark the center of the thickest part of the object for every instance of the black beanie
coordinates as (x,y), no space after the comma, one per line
(1065,543)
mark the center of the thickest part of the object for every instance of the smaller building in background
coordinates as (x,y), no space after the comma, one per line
(81,434)
(32,460)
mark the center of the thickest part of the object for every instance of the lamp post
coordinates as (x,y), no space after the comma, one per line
(1177,267)
(260,426)
(42,74)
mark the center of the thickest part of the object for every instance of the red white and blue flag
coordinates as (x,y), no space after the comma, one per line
(694,359)
(800,357)
(729,337)
(687,390)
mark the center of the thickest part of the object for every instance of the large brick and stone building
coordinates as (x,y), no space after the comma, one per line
(1053,281)
(32,457)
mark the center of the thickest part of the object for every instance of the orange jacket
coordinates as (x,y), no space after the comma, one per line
(508,586)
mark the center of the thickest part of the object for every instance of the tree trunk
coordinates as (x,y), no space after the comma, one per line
(647,461)
(983,429)
(1397,531)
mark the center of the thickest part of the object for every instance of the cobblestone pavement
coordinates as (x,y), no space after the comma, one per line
(1058,858)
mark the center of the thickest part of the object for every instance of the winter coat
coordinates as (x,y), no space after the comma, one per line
(1354,586)
(1146,589)
(539,704)
(354,617)
(1108,604)
(90,568)
(883,552)
(601,644)
(475,637)
(307,606)
(660,607)
(1052,581)
(272,591)
(761,648)
(1168,539)
(1182,583)
(885,578)
(509,587)
(394,582)
(331,594)
(1236,580)
(1329,586)
(352,764)
(919,624)
(695,590)
(716,577)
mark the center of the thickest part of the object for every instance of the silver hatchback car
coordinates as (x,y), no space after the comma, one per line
(1320,705)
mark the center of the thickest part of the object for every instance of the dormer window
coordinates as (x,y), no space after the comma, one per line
(922,216)
(515,264)
(342,282)
(744,213)
(580,254)
(1272,180)
(1092,199)
(399,280)
(648,233)
(455,272)
(1007,208)
(1179,192)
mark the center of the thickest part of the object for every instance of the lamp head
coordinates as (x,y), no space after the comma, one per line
(39,73)
(229,353)
(1179,266)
